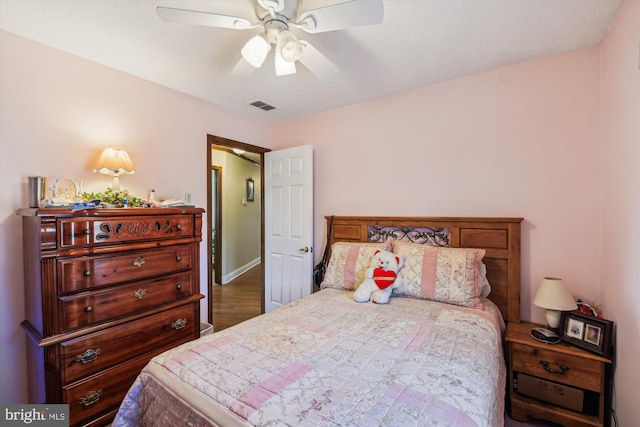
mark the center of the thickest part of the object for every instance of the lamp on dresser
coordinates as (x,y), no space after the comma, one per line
(553,296)
(114,162)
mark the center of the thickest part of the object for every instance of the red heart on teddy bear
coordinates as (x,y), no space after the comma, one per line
(384,278)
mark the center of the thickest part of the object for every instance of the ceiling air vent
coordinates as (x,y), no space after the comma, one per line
(263,105)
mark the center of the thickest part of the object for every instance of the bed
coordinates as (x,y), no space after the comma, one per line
(432,356)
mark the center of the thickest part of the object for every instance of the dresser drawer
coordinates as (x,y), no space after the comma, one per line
(85,308)
(94,352)
(583,373)
(79,232)
(76,274)
(104,391)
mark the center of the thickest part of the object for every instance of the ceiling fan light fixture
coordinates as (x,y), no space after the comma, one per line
(289,46)
(255,50)
(284,68)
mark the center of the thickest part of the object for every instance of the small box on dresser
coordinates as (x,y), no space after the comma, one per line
(581,381)
(105,291)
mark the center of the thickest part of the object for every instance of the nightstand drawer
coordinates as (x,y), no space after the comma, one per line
(558,367)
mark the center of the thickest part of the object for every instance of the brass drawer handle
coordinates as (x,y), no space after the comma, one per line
(87,273)
(179,324)
(546,367)
(178,258)
(178,286)
(138,262)
(91,397)
(87,231)
(140,293)
(88,356)
(89,309)
(179,226)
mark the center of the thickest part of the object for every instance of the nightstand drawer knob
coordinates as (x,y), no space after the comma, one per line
(139,262)
(89,309)
(178,258)
(546,367)
(87,231)
(179,226)
(178,286)
(87,273)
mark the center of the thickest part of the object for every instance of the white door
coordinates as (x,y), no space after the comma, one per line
(288,225)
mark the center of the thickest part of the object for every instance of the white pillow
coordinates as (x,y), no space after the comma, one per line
(483,282)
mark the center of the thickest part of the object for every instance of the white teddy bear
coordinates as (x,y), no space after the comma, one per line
(381,278)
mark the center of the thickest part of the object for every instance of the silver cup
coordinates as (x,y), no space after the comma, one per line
(37,185)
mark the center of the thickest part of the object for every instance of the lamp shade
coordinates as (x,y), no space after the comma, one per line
(284,68)
(554,296)
(255,50)
(289,46)
(115,162)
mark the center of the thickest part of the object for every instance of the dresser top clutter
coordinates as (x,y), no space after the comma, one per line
(105,291)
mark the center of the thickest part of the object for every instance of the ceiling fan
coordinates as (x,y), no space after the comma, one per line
(277,18)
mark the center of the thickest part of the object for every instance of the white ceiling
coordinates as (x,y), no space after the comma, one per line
(419,42)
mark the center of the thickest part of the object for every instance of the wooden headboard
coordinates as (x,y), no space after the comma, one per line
(499,236)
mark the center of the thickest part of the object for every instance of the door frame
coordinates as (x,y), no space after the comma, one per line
(229,145)
(218,223)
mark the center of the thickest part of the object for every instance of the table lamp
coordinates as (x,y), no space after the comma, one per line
(114,162)
(553,296)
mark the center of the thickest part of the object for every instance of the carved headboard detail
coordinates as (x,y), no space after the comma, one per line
(499,236)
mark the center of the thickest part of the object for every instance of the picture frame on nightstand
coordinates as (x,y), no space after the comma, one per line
(588,332)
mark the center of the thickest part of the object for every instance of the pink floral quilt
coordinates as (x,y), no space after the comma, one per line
(326,360)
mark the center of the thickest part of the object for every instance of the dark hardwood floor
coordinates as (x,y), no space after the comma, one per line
(237,300)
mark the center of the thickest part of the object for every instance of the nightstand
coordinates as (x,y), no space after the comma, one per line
(555,382)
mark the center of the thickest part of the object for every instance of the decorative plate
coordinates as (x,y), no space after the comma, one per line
(66,190)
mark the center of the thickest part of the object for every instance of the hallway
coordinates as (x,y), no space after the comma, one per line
(238,300)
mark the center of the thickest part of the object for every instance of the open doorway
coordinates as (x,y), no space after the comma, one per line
(215,213)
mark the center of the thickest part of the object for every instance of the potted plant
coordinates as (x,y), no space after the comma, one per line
(113,198)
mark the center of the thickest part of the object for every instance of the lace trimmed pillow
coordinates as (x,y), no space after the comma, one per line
(348,264)
(444,274)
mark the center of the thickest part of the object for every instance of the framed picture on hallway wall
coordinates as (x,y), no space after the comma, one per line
(250,190)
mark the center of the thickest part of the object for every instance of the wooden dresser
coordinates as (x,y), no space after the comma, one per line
(105,291)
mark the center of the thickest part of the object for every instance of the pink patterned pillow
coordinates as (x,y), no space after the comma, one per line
(348,263)
(442,274)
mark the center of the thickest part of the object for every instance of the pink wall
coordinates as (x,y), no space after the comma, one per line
(520,141)
(556,141)
(620,163)
(553,140)
(57,112)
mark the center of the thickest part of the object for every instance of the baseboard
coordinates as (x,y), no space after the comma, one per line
(239,271)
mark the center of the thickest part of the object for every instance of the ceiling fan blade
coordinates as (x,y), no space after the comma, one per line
(316,62)
(354,13)
(193,17)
